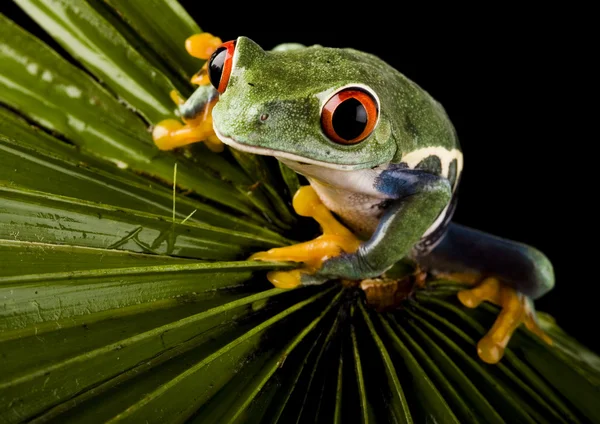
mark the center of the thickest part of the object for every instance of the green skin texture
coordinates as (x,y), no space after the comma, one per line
(292,94)
(281,85)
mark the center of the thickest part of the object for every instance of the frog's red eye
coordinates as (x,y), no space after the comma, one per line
(219,66)
(349,116)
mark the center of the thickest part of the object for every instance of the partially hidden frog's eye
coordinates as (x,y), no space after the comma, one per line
(350,115)
(220,64)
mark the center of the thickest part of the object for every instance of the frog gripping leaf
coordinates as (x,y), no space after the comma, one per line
(379,152)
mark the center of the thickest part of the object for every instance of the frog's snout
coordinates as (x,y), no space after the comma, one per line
(261,117)
(248,50)
(244,125)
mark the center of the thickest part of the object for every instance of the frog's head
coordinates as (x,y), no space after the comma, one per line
(322,106)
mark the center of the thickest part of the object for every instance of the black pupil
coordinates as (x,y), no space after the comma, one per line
(349,119)
(215,66)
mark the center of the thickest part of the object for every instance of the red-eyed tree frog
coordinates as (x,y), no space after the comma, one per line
(378,151)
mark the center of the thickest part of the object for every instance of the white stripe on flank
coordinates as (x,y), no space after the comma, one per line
(446,156)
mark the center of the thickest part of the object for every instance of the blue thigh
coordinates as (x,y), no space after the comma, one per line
(464,249)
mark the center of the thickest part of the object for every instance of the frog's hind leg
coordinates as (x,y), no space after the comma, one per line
(514,273)
(516,308)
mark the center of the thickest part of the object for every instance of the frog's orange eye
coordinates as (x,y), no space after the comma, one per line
(349,116)
(219,66)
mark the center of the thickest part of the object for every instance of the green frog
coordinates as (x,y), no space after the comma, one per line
(378,151)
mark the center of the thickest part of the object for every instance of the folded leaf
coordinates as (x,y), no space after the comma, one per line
(98,46)
(32,159)
(41,217)
(37,389)
(164,25)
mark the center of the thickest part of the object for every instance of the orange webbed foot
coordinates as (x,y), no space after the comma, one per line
(516,308)
(171,133)
(202,46)
(335,240)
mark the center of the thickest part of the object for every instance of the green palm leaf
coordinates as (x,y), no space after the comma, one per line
(125,291)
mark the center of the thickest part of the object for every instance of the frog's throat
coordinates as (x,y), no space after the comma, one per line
(286,155)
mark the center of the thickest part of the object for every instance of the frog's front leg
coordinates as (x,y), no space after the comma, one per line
(419,198)
(506,273)
(196,112)
(335,239)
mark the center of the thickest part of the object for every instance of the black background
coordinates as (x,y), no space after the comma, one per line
(517,86)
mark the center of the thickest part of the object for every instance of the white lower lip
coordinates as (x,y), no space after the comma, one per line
(279,154)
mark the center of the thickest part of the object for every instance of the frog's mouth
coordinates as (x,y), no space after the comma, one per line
(286,155)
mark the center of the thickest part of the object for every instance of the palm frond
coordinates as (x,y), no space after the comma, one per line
(125,291)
